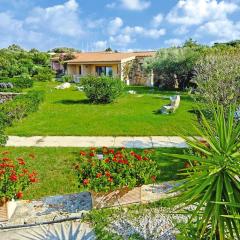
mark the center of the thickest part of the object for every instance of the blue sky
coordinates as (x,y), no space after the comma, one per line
(120,24)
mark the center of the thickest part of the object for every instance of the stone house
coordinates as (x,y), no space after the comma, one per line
(127,66)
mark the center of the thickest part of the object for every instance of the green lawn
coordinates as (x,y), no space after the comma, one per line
(68,113)
(55,167)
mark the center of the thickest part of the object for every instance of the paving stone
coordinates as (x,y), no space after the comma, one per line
(23,141)
(170,142)
(127,142)
(50,208)
(81,231)
(142,142)
(74,141)
(155,192)
(116,198)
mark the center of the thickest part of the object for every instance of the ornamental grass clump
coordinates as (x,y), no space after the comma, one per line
(115,169)
(212,178)
(15,177)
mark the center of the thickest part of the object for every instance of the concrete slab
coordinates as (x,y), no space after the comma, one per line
(171,142)
(142,142)
(66,230)
(127,142)
(98,141)
(23,141)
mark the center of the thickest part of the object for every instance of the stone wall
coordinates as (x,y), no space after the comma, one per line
(138,76)
(6,96)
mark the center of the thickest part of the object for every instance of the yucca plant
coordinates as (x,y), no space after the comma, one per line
(213,177)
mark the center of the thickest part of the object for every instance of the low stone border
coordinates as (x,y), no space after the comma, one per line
(57,208)
(6,96)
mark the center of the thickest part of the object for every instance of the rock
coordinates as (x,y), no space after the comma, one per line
(63,86)
(132,92)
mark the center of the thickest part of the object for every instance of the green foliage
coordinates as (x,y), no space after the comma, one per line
(117,169)
(174,65)
(65,50)
(14,182)
(67,78)
(21,106)
(44,74)
(102,89)
(3,137)
(218,78)
(213,177)
(19,82)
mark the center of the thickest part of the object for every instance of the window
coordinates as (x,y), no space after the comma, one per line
(80,70)
(104,70)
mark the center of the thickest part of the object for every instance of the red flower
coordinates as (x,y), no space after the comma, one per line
(145,158)
(6,159)
(111,151)
(85,181)
(25,170)
(91,154)
(154,178)
(13,178)
(82,153)
(32,179)
(110,179)
(99,175)
(107,174)
(21,162)
(138,157)
(107,160)
(105,150)
(19,195)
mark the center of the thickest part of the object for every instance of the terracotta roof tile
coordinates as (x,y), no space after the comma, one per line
(87,57)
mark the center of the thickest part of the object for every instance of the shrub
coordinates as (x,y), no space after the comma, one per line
(212,178)
(21,106)
(17,83)
(44,74)
(67,78)
(3,137)
(116,170)
(102,89)
(14,177)
(218,78)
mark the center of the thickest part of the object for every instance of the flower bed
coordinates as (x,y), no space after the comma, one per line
(115,169)
(14,177)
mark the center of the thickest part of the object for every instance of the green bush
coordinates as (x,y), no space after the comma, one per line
(102,89)
(21,106)
(3,137)
(44,74)
(19,82)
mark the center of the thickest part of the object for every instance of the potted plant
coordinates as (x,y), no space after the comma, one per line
(115,176)
(14,179)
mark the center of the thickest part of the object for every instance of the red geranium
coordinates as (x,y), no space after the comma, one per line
(85,181)
(19,195)
(13,177)
(107,174)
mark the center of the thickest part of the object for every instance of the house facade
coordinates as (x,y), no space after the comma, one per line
(127,66)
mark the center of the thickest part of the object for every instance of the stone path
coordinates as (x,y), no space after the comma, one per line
(51,216)
(71,141)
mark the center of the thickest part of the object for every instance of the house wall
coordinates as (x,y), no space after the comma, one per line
(90,69)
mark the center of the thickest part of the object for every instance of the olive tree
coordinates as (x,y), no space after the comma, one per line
(218,78)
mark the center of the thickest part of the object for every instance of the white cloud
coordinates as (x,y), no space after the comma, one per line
(223,29)
(100,45)
(60,19)
(194,12)
(149,33)
(133,5)
(121,40)
(115,25)
(157,20)
(174,42)
(136,5)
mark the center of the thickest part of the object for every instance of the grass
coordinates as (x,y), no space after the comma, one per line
(68,113)
(56,171)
